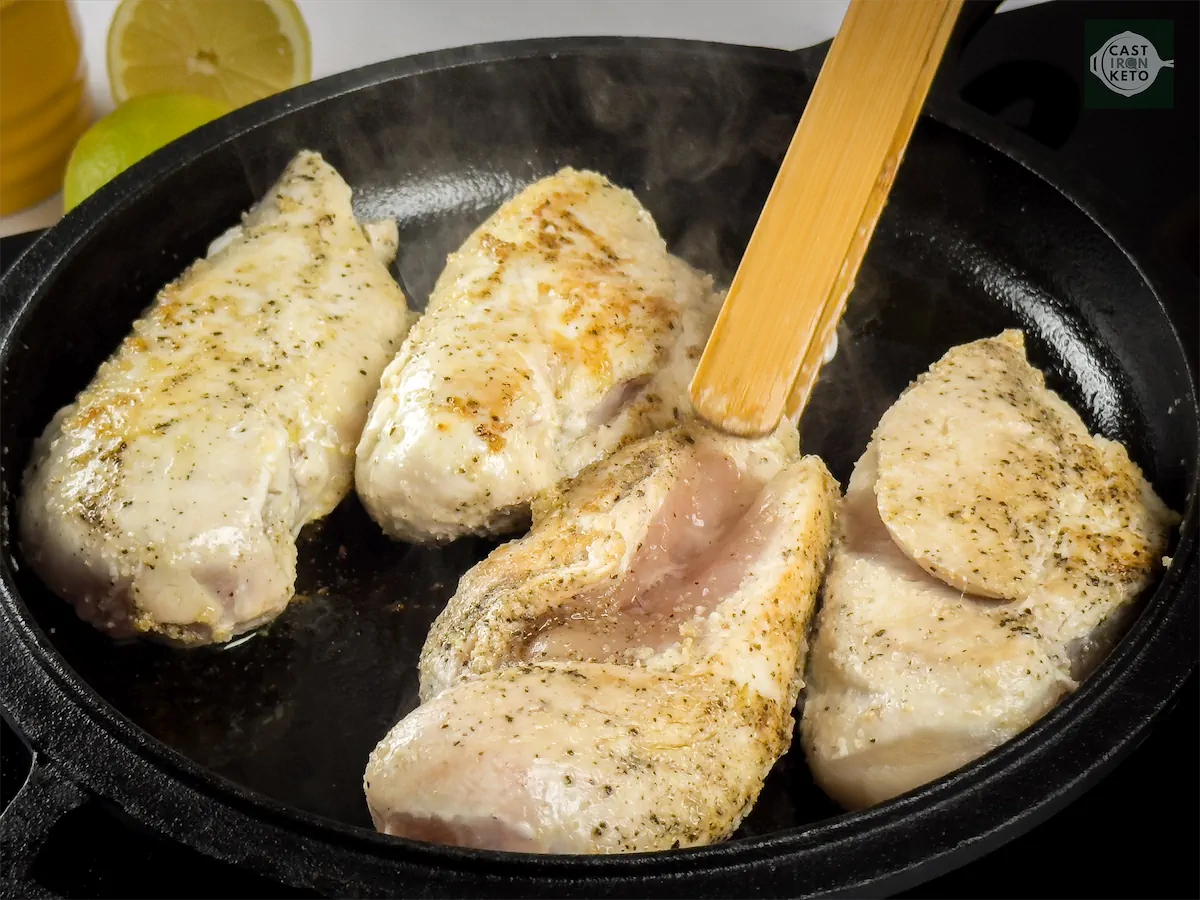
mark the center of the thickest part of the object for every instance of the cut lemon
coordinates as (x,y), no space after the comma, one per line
(231,51)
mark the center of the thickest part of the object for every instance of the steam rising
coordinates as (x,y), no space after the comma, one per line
(697,136)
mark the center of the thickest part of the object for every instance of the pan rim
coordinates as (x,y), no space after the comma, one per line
(62,242)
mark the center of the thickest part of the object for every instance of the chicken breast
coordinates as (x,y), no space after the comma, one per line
(989,552)
(622,678)
(167,498)
(561,329)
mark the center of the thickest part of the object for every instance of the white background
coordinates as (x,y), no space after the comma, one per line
(351,33)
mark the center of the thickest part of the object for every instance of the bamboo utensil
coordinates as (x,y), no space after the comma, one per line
(790,290)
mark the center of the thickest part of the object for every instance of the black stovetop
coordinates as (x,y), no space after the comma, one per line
(1134,834)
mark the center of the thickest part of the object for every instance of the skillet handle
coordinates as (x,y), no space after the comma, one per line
(1054,96)
(973,16)
(45,797)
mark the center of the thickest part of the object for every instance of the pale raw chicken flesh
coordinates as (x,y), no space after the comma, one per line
(622,678)
(989,551)
(167,498)
(561,329)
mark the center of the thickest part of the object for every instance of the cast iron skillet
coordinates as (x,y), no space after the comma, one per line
(254,753)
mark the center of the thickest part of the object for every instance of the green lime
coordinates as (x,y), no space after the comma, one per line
(131,132)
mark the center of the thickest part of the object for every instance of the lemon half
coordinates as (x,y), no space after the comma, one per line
(231,51)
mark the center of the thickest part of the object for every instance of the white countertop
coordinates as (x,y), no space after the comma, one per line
(347,34)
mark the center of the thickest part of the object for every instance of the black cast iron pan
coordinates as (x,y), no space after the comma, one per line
(254,753)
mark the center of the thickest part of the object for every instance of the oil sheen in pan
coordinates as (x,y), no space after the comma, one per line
(293,711)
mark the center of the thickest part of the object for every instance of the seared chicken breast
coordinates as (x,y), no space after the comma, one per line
(561,329)
(623,677)
(167,498)
(989,551)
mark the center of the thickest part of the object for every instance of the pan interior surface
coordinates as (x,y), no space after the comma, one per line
(970,243)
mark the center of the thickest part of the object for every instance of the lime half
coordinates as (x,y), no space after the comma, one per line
(130,133)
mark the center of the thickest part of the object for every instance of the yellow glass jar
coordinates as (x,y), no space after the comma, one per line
(44,104)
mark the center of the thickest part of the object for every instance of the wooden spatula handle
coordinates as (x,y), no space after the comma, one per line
(800,265)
